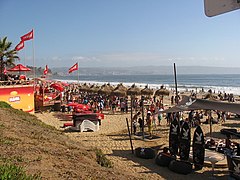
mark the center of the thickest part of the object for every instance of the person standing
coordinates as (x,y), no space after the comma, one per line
(134,120)
(149,123)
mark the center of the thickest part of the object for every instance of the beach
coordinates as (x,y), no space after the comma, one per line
(113,140)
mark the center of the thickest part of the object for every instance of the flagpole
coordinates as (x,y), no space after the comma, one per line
(25,60)
(78,74)
(34,73)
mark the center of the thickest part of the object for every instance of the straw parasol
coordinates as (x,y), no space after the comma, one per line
(93,88)
(120,90)
(162,92)
(147,91)
(133,90)
(105,89)
(84,87)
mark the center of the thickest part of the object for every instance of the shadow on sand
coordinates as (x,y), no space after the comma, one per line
(164,172)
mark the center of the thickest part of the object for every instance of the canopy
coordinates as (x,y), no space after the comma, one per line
(57,86)
(19,68)
(188,104)
(133,90)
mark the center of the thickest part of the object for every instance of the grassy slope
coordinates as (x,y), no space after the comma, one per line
(39,148)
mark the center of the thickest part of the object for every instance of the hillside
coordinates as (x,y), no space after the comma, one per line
(147,70)
(41,149)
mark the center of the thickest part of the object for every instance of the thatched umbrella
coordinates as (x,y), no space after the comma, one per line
(93,88)
(162,92)
(84,87)
(105,89)
(133,91)
(147,91)
(120,90)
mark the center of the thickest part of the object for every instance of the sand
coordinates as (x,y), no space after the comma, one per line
(113,140)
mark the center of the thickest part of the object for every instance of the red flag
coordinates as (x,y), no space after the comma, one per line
(73,68)
(19,46)
(45,70)
(5,71)
(27,36)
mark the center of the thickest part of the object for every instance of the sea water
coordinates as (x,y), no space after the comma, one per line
(229,83)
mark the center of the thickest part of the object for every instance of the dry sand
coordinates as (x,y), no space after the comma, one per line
(113,140)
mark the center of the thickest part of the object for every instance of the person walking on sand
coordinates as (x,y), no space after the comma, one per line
(160,115)
(134,120)
(149,123)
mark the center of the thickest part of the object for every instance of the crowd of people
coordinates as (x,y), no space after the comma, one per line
(14,79)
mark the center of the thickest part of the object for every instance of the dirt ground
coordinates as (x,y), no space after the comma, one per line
(57,153)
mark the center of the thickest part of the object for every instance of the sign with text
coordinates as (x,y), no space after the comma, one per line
(19,97)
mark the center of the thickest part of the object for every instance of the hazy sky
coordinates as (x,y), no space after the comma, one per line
(121,32)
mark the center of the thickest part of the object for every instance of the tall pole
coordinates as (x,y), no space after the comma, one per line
(25,59)
(142,101)
(34,72)
(78,74)
(175,77)
(131,113)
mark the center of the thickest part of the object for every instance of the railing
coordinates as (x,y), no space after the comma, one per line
(16,82)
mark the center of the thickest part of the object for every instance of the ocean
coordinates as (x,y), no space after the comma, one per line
(229,83)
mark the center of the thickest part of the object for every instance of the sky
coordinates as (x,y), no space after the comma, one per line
(124,33)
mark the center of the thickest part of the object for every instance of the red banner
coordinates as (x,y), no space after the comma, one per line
(27,36)
(45,70)
(19,46)
(73,68)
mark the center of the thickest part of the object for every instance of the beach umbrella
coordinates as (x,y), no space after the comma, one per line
(19,68)
(162,92)
(57,86)
(84,87)
(93,88)
(147,91)
(105,89)
(120,90)
(133,90)
(65,84)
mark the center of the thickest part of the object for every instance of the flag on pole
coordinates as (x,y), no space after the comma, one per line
(45,70)
(19,46)
(27,36)
(73,68)
(5,71)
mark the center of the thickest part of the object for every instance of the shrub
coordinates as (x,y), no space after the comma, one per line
(102,159)
(4,105)
(13,172)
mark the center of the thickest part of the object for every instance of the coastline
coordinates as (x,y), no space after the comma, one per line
(225,83)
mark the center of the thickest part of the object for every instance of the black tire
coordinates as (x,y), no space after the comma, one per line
(164,159)
(145,153)
(180,167)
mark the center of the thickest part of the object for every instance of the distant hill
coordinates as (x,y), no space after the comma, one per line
(148,70)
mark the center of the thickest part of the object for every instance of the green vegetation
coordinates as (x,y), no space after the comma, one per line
(7,55)
(4,105)
(13,172)
(102,159)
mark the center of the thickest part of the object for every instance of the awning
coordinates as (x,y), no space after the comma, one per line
(188,104)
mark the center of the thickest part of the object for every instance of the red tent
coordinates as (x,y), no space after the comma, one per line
(19,68)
